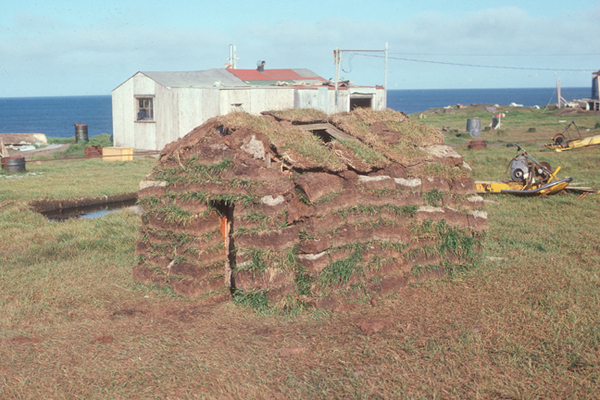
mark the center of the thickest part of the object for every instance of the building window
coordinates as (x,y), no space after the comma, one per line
(145,108)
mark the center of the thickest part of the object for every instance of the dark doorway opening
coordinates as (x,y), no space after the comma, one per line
(225,211)
(360,102)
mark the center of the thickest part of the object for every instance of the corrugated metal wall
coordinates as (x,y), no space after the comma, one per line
(179,110)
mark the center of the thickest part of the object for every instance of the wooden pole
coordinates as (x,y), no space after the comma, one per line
(337,54)
(558,90)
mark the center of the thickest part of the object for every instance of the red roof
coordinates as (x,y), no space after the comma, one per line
(274,75)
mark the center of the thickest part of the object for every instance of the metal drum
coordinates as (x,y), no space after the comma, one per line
(477,144)
(81,132)
(474,127)
(13,164)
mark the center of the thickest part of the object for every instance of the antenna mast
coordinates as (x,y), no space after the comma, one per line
(232,60)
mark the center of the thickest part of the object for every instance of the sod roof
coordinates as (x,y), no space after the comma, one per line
(371,140)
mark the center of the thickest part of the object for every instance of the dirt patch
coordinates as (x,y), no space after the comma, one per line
(19,340)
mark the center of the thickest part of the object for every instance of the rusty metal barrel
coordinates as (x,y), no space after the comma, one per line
(13,164)
(81,132)
(477,144)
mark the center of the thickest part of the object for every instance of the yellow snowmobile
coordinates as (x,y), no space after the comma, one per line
(528,177)
(561,143)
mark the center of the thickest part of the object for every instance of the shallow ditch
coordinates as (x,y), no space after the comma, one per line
(60,210)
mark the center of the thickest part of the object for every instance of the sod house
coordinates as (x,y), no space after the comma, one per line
(298,206)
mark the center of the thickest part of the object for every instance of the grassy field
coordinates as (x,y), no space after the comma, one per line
(518,123)
(524,323)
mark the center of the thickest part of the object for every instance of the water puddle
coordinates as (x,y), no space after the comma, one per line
(91,211)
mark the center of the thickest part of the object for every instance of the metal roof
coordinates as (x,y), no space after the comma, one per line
(241,78)
(290,75)
(216,77)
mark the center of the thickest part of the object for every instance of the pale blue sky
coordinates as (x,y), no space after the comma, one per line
(67,47)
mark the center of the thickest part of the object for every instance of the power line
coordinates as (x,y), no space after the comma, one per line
(349,63)
(495,55)
(481,66)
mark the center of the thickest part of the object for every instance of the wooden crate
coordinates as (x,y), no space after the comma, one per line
(117,153)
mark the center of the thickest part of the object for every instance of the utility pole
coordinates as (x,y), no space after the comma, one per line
(560,98)
(385,67)
(232,57)
(558,90)
(337,55)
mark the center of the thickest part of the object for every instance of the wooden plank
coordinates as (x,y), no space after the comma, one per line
(330,129)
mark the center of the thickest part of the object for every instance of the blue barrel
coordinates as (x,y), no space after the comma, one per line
(13,164)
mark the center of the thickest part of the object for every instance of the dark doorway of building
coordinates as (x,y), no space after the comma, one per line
(360,102)
(225,211)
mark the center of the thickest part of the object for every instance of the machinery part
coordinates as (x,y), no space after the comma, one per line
(539,172)
(542,175)
(519,170)
(560,140)
(549,188)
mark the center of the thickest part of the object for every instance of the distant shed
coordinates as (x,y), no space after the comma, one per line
(152,109)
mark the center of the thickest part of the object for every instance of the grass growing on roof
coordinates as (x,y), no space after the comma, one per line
(414,132)
(364,152)
(295,145)
(411,134)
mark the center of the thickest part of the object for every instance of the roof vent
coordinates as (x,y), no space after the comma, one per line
(260,66)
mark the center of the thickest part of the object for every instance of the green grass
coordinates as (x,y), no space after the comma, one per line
(523,323)
(256,300)
(339,272)
(515,126)
(64,179)
(78,149)
(434,198)
(262,259)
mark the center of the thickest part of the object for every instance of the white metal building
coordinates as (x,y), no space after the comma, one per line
(152,109)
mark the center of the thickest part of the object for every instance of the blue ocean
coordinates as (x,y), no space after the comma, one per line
(57,116)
